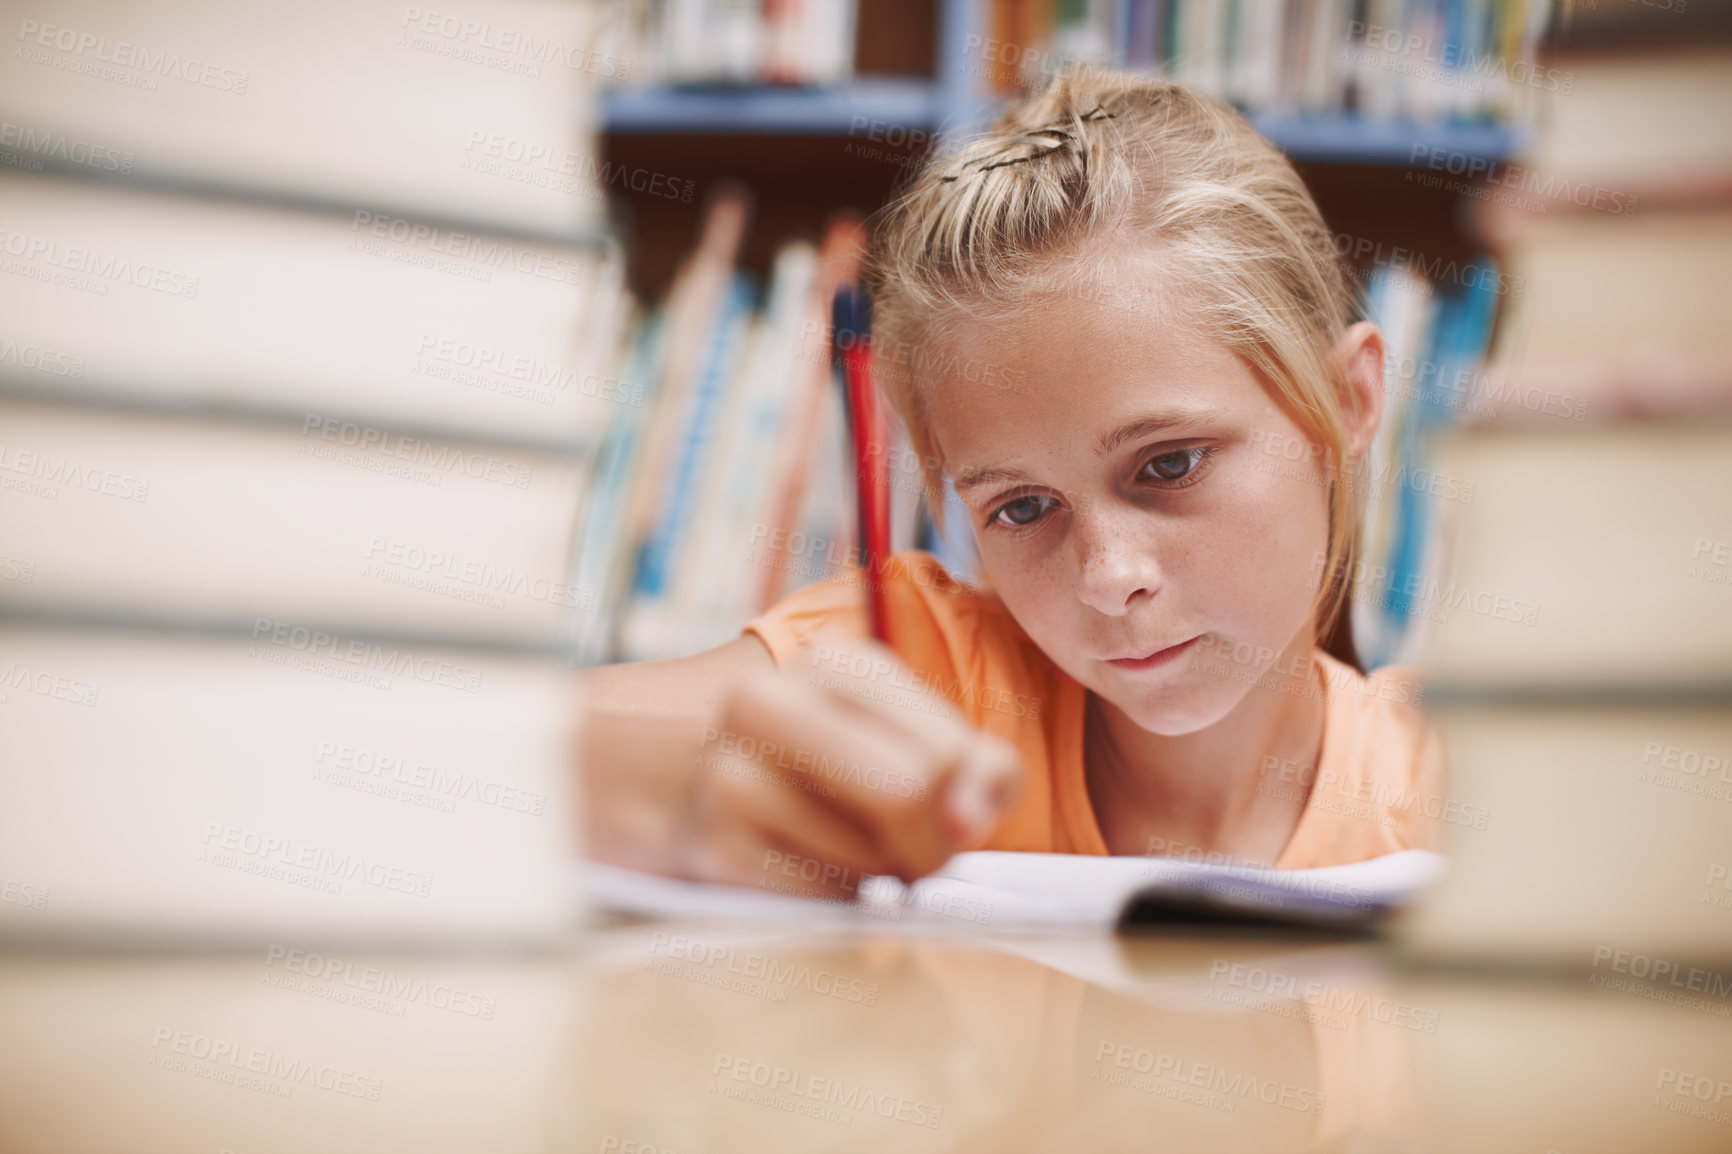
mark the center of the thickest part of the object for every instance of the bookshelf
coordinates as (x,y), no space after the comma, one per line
(1350,140)
(914,81)
(665,111)
(913,104)
(951,98)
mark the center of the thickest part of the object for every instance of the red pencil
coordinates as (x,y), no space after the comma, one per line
(866,429)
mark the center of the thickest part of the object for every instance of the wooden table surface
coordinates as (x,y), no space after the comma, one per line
(693,1039)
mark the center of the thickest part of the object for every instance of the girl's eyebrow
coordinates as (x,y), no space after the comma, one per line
(1129,431)
(1155,423)
(973,478)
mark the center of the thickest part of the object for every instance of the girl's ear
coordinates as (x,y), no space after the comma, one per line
(1360,351)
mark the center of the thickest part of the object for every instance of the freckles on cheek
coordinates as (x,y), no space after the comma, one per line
(1027,579)
(1277,542)
(1236,563)
(1040,592)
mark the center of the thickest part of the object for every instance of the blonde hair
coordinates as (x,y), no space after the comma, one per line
(1009,218)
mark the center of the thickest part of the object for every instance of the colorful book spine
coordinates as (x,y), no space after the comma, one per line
(1433,61)
(690,455)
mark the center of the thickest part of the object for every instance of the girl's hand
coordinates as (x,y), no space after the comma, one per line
(836,768)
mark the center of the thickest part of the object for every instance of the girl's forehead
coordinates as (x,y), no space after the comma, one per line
(1110,338)
(1061,382)
(1099,293)
(1058,345)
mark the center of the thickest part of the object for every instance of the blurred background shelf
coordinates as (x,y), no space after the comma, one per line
(920,106)
(1359,140)
(924,70)
(893,100)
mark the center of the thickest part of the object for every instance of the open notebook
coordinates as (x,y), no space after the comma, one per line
(1053,891)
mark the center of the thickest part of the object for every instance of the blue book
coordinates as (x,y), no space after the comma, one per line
(1140,29)
(654,560)
(1458,343)
(598,560)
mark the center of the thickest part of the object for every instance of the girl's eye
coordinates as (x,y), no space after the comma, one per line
(1020,511)
(1173,466)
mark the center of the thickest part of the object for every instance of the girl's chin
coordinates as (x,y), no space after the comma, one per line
(1178,710)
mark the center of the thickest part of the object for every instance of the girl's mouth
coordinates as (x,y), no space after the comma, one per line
(1153,660)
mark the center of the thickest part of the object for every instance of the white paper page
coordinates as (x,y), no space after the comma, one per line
(999,890)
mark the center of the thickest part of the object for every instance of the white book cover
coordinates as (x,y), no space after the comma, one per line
(1328,58)
(144,516)
(1255,68)
(828,35)
(158,298)
(472,111)
(734,570)
(285,782)
(1562,573)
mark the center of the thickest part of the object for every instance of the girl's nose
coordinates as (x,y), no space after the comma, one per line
(1115,564)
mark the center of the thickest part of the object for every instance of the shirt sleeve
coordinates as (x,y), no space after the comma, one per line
(934,619)
(1423,822)
(833,608)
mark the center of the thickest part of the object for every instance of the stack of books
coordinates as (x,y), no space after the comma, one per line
(309,337)
(1585,666)
(1619,223)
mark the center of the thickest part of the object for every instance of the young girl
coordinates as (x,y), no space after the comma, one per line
(1119,323)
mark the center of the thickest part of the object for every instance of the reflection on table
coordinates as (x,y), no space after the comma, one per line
(690,1039)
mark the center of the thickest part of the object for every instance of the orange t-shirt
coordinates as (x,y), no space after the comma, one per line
(1376,788)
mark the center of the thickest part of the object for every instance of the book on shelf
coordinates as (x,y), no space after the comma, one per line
(603,560)
(699,491)
(1435,337)
(733,42)
(684,334)
(805,450)
(698,458)
(754,406)
(1432,62)
(733,487)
